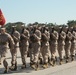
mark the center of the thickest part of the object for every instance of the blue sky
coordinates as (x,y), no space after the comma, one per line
(42,11)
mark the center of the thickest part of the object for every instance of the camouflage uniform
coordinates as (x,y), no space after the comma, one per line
(40,54)
(73,45)
(40,57)
(5,41)
(16,37)
(45,48)
(53,46)
(68,45)
(61,45)
(36,48)
(24,45)
(31,53)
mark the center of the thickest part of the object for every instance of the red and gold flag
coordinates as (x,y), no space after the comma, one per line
(2,19)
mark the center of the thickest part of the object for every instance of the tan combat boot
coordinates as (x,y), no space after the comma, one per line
(54,62)
(13,67)
(67,59)
(6,70)
(72,58)
(61,61)
(45,65)
(23,66)
(51,63)
(33,65)
(36,66)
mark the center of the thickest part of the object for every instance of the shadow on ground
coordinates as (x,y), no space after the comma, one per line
(29,69)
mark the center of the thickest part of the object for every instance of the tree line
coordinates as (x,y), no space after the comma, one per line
(70,23)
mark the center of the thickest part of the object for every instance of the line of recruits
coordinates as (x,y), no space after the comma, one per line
(41,43)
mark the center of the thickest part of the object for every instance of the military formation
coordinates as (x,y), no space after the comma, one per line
(40,43)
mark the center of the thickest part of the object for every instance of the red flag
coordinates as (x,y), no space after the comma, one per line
(2,19)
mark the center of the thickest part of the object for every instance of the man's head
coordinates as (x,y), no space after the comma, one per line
(72,29)
(47,28)
(39,28)
(60,29)
(13,28)
(3,30)
(67,29)
(22,26)
(53,29)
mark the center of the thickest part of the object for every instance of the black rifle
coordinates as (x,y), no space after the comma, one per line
(32,38)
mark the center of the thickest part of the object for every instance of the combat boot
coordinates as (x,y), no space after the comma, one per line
(13,67)
(54,62)
(67,59)
(23,66)
(45,65)
(16,65)
(33,65)
(6,70)
(61,61)
(36,66)
(72,58)
(51,62)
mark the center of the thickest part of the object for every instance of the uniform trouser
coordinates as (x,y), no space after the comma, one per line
(45,53)
(61,49)
(3,58)
(67,49)
(36,51)
(40,55)
(49,54)
(14,55)
(73,48)
(31,53)
(53,49)
(3,51)
(24,51)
